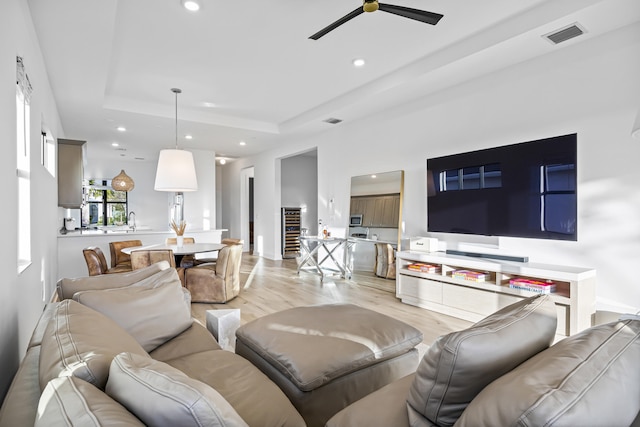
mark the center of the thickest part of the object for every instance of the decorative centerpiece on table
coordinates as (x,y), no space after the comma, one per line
(179,230)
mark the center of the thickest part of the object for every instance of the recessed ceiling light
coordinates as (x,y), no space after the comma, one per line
(358,62)
(243,143)
(223,161)
(188,137)
(121,129)
(191,5)
(208,104)
(115,144)
(373,176)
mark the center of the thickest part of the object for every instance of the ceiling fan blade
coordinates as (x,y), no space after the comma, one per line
(336,24)
(417,14)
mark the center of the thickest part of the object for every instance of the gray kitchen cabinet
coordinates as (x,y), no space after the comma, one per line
(70,172)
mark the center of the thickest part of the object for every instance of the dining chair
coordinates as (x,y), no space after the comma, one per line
(97,262)
(385,261)
(219,282)
(174,241)
(117,256)
(145,257)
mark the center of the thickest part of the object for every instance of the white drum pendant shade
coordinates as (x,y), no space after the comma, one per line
(176,171)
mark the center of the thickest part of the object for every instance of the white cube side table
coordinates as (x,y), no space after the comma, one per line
(223,325)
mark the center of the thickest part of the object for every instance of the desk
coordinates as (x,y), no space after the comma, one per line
(310,256)
(178,251)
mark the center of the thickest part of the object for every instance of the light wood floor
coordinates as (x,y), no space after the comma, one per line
(271,286)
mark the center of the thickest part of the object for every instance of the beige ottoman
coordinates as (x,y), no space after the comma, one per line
(325,357)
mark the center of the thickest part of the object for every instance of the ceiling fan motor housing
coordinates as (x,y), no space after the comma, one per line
(370,5)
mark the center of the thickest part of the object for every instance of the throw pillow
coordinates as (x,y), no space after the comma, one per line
(588,379)
(459,365)
(152,311)
(71,401)
(66,287)
(161,395)
(81,342)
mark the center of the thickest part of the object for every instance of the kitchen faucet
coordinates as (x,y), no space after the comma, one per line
(133,227)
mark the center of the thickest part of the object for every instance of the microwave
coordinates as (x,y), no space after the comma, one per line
(355,220)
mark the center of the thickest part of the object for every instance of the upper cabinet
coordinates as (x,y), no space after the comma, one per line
(70,172)
(377,211)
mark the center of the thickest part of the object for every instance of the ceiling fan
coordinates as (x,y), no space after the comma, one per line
(373,5)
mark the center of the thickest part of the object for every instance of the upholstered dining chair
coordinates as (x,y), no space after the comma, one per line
(219,282)
(118,258)
(385,264)
(174,241)
(97,262)
(145,257)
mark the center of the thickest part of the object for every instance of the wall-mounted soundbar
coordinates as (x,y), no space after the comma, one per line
(492,256)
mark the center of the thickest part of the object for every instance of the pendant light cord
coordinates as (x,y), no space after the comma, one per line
(176,91)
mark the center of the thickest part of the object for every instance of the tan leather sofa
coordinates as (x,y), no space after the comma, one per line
(125,351)
(502,372)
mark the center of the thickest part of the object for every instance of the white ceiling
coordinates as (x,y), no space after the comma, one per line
(113,62)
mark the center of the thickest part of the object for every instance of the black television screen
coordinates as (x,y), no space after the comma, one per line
(520,190)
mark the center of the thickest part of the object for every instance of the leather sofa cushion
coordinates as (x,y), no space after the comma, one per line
(161,395)
(71,401)
(587,379)
(81,342)
(385,407)
(255,397)
(312,346)
(152,311)
(194,339)
(68,286)
(460,364)
(21,401)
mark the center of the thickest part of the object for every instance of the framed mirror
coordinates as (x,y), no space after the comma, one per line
(375,216)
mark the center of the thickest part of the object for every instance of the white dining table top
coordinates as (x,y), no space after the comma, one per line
(185,249)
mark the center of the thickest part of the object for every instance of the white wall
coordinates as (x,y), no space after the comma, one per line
(152,207)
(22,296)
(299,186)
(591,88)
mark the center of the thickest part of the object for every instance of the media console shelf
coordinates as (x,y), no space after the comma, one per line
(440,291)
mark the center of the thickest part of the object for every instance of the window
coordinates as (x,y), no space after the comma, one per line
(104,205)
(23,167)
(471,178)
(48,152)
(558,198)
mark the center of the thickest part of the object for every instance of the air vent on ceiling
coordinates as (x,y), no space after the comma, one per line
(566,33)
(333,120)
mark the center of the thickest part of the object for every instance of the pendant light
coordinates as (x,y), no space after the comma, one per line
(176,170)
(122,182)
(176,173)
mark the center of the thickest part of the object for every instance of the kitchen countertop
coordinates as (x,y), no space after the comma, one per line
(126,231)
(368,240)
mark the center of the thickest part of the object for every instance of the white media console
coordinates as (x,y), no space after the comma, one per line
(575,293)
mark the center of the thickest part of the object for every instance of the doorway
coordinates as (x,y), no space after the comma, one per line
(246,208)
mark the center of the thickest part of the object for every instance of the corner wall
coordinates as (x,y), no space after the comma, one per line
(22,297)
(591,88)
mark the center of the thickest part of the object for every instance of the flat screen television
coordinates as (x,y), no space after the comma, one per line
(520,190)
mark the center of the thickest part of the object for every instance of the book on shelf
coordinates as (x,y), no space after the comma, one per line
(475,276)
(532,285)
(423,268)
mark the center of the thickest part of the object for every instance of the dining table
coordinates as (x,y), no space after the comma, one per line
(178,251)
